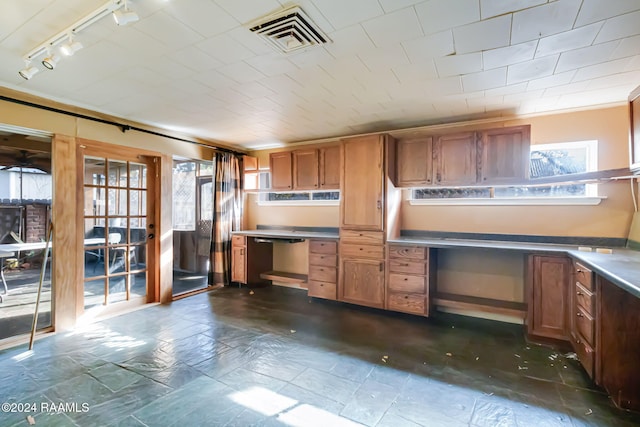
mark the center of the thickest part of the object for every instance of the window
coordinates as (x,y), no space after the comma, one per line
(546,160)
(293,198)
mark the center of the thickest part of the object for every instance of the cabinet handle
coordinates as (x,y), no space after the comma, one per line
(578,293)
(379,204)
(579,271)
(403,264)
(405,279)
(579,314)
(381,266)
(241,251)
(438,178)
(406,297)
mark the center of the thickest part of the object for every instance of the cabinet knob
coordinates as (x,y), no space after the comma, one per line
(579,314)
(406,297)
(578,293)
(405,279)
(579,271)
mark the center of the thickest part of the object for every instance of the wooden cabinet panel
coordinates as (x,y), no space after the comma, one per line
(404,266)
(549,284)
(362,183)
(330,168)
(362,251)
(362,237)
(409,303)
(584,276)
(323,259)
(323,274)
(505,154)
(323,247)
(238,264)
(362,282)
(585,325)
(322,290)
(414,161)
(250,163)
(455,159)
(238,240)
(408,252)
(584,298)
(280,165)
(585,354)
(305,169)
(248,259)
(407,283)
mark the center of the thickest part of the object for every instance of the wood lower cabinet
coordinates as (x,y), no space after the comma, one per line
(582,315)
(323,269)
(248,259)
(362,281)
(411,272)
(549,281)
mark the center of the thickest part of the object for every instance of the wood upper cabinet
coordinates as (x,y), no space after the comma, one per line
(455,159)
(549,283)
(362,183)
(505,154)
(250,163)
(280,165)
(305,169)
(414,164)
(362,281)
(330,168)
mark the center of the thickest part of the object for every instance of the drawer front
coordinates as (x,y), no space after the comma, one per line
(585,355)
(585,325)
(322,259)
(585,299)
(362,251)
(411,267)
(583,275)
(323,247)
(322,290)
(407,283)
(238,240)
(407,252)
(408,303)
(323,274)
(366,237)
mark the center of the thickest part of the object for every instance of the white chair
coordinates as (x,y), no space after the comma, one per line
(114,239)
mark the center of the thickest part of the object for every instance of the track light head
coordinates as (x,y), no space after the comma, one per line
(50,61)
(70,47)
(28,71)
(124,17)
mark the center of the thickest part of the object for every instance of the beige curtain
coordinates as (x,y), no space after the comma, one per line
(227,201)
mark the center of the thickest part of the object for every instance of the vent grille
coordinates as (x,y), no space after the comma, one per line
(289,30)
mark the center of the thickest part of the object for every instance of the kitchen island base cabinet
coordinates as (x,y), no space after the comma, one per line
(249,259)
(362,282)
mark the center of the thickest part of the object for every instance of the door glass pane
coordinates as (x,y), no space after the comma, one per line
(99,202)
(117,202)
(94,262)
(94,234)
(94,171)
(117,288)
(137,175)
(138,284)
(135,201)
(93,293)
(137,234)
(117,173)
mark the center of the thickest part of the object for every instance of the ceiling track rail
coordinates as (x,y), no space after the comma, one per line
(123,127)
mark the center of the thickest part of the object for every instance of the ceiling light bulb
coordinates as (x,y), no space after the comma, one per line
(70,47)
(125,17)
(50,61)
(28,71)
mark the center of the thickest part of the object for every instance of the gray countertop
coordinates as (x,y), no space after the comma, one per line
(622,267)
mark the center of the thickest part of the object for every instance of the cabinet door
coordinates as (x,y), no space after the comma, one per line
(238,264)
(362,183)
(455,159)
(414,162)
(505,154)
(548,305)
(280,165)
(330,168)
(305,169)
(250,163)
(362,282)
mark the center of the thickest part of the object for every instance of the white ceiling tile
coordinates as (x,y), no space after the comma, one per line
(168,68)
(627,47)
(507,90)
(601,70)
(565,89)
(309,57)
(443,86)
(489,34)
(194,58)
(272,64)
(248,10)
(544,20)
(214,79)
(394,27)
(634,64)
(281,84)
(202,16)
(384,58)
(597,10)
(486,103)
(454,65)
(424,49)
(439,15)
(484,80)
(241,72)
(509,55)
(620,27)
(595,97)
(168,30)
(225,49)
(591,55)
(391,5)
(416,73)
(137,42)
(551,81)
(350,66)
(529,70)
(629,77)
(251,41)
(491,8)
(345,13)
(568,40)
(348,41)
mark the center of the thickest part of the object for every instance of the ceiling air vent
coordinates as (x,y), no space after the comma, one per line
(289,30)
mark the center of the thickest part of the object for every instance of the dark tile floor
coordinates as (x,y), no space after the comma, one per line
(274,357)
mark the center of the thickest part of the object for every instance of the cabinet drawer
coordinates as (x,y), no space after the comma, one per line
(407,283)
(585,325)
(583,275)
(366,237)
(322,290)
(402,266)
(585,354)
(407,252)
(322,259)
(322,274)
(323,247)
(408,303)
(238,240)
(585,299)
(362,251)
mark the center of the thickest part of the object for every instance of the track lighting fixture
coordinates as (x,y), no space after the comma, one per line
(50,61)
(28,71)
(70,46)
(124,17)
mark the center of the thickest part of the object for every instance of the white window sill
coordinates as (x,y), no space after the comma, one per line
(299,203)
(511,201)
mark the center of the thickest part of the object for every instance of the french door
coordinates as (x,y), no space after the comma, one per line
(119,228)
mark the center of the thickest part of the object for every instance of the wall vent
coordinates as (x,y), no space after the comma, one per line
(289,30)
